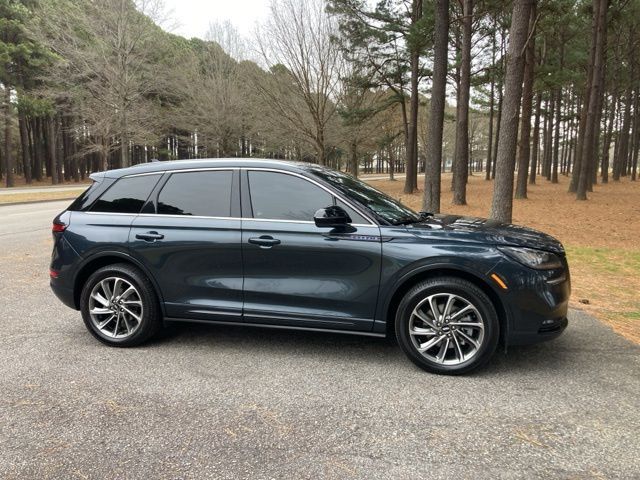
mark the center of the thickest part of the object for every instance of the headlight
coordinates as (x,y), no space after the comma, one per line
(538,259)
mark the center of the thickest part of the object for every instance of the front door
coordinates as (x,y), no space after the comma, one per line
(296,273)
(191,245)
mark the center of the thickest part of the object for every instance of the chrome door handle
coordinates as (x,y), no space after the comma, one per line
(264,241)
(149,236)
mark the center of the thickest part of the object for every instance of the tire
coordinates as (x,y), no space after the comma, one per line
(453,345)
(131,316)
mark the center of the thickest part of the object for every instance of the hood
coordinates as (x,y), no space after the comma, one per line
(472,229)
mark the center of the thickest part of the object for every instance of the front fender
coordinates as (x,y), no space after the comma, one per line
(397,275)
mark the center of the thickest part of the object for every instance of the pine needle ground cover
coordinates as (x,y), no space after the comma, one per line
(601,236)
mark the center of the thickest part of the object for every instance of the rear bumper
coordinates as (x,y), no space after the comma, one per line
(65,294)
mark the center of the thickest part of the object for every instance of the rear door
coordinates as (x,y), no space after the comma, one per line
(296,273)
(189,238)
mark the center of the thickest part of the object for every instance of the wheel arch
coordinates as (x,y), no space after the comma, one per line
(102,259)
(409,280)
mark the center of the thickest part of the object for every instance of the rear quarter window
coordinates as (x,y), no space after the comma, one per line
(126,195)
(89,196)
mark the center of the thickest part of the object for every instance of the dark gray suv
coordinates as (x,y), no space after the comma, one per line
(279,244)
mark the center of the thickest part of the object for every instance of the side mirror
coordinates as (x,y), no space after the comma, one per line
(331,217)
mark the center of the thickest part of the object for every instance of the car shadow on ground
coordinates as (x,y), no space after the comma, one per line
(543,357)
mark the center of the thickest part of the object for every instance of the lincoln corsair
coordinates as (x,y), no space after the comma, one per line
(295,245)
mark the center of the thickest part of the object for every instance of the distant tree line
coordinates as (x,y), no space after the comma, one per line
(513,91)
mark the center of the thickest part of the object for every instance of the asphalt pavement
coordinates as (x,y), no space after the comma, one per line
(227,402)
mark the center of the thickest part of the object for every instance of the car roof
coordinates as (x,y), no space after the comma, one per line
(162,166)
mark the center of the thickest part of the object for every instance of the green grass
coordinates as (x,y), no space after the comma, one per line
(606,260)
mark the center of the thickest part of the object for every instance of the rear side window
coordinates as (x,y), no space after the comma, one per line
(127,195)
(87,197)
(206,194)
(278,196)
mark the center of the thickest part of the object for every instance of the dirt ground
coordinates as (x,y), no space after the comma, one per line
(601,235)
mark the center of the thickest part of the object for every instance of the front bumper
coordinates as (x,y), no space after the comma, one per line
(547,332)
(536,303)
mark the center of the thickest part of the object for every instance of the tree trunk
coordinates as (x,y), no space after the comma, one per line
(599,9)
(635,139)
(432,176)
(606,145)
(556,139)
(461,160)
(491,107)
(502,204)
(536,141)
(497,136)
(411,176)
(51,143)
(24,142)
(353,159)
(527,102)
(8,160)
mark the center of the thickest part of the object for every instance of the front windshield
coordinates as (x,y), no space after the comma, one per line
(385,208)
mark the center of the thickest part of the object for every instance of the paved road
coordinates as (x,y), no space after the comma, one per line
(213,402)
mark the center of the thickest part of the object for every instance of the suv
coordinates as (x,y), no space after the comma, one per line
(295,245)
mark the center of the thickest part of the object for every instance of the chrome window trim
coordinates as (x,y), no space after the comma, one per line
(109,213)
(201,217)
(181,170)
(326,189)
(139,175)
(242,169)
(170,215)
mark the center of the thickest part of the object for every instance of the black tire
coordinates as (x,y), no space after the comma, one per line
(151,318)
(484,313)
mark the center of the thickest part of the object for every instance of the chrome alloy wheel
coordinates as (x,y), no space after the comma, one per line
(115,307)
(446,329)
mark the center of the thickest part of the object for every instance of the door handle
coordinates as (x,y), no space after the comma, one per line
(264,241)
(149,236)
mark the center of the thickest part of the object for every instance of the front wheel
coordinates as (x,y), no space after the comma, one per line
(447,325)
(119,306)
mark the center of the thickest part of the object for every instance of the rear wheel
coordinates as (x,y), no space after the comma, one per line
(119,306)
(447,325)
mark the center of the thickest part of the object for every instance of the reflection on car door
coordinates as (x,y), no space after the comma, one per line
(296,273)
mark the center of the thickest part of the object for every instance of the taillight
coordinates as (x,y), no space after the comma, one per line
(58,227)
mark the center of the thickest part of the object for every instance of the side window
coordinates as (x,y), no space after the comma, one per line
(355,216)
(127,195)
(206,193)
(280,196)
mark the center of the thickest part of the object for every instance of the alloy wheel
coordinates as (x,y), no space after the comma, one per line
(115,307)
(446,329)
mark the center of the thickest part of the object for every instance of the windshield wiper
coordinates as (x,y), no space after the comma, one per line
(407,221)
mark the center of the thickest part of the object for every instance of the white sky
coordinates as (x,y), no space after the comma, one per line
(192,17)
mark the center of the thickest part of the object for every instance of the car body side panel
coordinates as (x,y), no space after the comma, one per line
(198,264)
(314,277)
